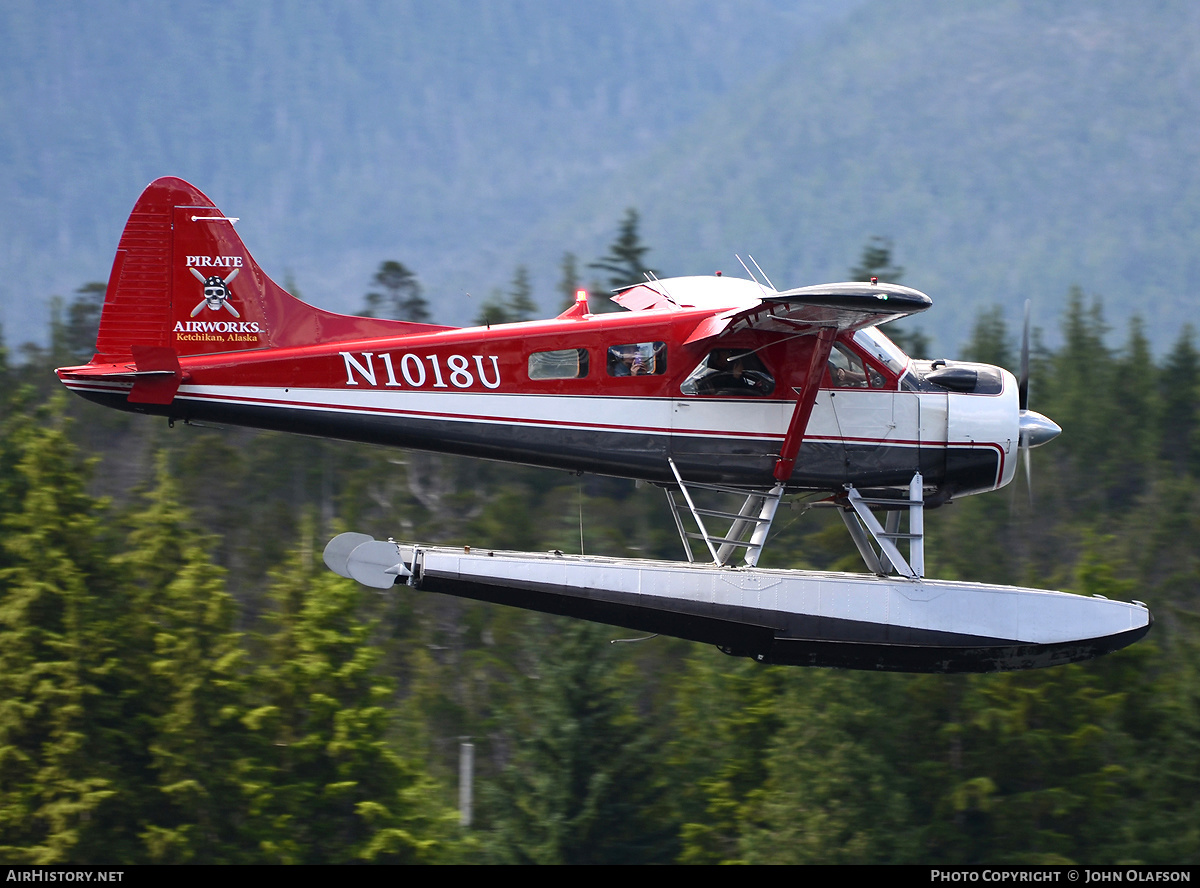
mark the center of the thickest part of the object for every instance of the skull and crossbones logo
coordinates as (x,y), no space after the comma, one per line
(216,292)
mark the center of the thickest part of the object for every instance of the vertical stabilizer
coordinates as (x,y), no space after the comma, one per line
(182,279)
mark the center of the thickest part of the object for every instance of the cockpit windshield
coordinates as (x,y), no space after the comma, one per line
(881,349)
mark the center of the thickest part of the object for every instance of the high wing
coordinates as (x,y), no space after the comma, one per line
(822,311)
(850,305)
(845,306)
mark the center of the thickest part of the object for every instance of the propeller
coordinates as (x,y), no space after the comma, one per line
(1035,429)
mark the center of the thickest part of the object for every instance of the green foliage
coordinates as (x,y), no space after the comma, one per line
(1180,393)
(61,678)
(990,343)
(876,262)
(518,305)
(191,690)
(832,790)
(520,296)
(399,295)
(726,714)
(582,786)
(569,284)
(83,320)
(137,724)
(330,788)
(625,262)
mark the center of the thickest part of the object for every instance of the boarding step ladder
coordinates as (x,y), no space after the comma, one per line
(747,528)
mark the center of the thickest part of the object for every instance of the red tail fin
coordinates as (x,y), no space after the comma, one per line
(183,279)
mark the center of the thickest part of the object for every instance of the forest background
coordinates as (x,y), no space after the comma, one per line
(180,677)
(182,680)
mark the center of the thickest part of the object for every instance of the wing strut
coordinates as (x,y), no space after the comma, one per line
(804,404)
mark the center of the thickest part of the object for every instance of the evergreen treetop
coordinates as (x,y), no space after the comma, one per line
(625,262)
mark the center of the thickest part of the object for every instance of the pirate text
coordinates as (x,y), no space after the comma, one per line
(214,261)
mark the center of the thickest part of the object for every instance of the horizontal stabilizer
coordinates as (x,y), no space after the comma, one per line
(158,374)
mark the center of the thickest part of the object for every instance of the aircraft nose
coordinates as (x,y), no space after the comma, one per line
(1036,429)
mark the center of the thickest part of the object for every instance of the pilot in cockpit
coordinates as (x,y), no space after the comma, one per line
(730,371)
(846,369)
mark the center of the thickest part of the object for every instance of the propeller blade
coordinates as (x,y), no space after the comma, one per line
(1023,380)
(1028,459)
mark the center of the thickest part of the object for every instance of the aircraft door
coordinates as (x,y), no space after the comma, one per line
(725,426)
(888,435)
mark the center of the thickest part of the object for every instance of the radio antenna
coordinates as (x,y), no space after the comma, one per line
(763,273)
(748,271)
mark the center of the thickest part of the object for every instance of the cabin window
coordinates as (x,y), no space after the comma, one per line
(565,363)
(637,359)
(846,370)
(729,371)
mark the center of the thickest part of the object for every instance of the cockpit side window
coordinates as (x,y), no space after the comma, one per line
(729,371)
(847,370)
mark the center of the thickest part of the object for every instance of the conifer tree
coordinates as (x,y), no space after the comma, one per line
(517,305)
(735,705)
(399,295)
(193,687)
(521,306)
(1180,387)
(60,678)
(625,262)
(581,786)
(568,284)
(494,311)
(1135,415)
(876,262)
(833,792)
(989,343)
(83,320)
(330,789)
(1081,369)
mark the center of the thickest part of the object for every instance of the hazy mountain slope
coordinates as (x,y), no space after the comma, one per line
(1009,149)
(344,135)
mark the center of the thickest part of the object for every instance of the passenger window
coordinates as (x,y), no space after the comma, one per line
(566,363)
(637,359)
(729,371)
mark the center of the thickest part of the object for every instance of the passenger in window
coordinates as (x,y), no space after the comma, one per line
(624,360)
(637,359)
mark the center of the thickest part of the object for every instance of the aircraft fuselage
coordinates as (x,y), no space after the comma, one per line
(482,392)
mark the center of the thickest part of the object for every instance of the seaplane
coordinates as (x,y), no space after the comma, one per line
(728,393)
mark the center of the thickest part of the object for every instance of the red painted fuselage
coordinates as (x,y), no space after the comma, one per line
(734,382)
